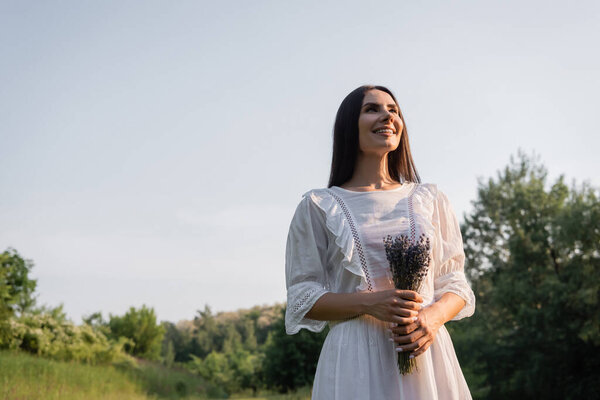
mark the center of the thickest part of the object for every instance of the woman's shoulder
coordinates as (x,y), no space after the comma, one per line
(434,194)
(318,192)
(318,198)
(314,199)
(427,192)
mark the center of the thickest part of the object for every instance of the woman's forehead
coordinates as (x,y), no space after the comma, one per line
(378,96)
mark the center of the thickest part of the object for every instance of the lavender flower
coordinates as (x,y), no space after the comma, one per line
(409,263)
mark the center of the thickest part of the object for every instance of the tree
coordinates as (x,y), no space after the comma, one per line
(533,257)
(207,335)
(249,335)
(291,360)
(16,288)
(140,326)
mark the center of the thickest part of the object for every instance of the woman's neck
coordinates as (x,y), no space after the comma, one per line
(371,171)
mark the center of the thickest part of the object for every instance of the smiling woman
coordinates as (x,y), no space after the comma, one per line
(337,270)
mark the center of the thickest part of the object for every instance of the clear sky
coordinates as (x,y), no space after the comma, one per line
(153,152)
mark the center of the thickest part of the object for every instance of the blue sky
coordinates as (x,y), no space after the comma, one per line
(153,152)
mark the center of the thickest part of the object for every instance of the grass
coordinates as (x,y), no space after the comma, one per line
(24,377)
(27,377)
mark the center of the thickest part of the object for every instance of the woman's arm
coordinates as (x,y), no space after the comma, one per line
(398,306)
(418,336)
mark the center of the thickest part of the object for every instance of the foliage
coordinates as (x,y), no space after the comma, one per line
(233,361)
(232,371)
(167,353)
(226,348)
(291,360)
(533,257)
(141,328)
(169,382)
(16,289)
(47,333)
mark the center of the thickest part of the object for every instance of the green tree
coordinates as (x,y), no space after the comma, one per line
(214,368)
(233,339)
(181,338)
(250,342)
(207,335)
(290,361)
(141,327)
(16,290)
(231,371)
(16,287)
(533,257)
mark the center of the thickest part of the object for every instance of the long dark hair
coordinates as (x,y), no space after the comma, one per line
(401,166)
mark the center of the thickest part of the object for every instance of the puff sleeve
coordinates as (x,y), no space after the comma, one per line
(305,266)
(449,257)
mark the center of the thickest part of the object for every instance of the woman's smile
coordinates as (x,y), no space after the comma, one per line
(386,132)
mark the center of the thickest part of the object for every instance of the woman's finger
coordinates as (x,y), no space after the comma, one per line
(400,321)
(411,305)
(405,312)
(410,347)
(404,329)
(422,349)
(409,339)
(410,295)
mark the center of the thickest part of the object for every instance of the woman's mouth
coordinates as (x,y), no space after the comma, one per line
(386,132)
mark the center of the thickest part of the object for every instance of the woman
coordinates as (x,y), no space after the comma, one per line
(337,271)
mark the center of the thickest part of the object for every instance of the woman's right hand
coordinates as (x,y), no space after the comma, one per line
(395,305)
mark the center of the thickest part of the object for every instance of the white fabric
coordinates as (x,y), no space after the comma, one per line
(357,360)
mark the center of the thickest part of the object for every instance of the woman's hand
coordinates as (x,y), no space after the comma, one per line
(398,306)
(419,335)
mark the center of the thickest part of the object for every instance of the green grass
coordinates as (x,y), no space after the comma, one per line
(24,377)
(27,377)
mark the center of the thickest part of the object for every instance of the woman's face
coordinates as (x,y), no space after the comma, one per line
(379,124)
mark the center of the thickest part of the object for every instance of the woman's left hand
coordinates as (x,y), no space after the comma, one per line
(418,336)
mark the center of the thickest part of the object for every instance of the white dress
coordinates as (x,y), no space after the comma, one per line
(335,244)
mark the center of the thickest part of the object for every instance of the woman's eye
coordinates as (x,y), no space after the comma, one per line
(394,110)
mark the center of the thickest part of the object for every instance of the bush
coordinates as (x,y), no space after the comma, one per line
(140,327)
(46,335)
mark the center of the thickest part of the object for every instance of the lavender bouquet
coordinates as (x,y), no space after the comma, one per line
(409,263)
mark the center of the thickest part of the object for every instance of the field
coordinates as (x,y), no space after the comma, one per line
(27,377)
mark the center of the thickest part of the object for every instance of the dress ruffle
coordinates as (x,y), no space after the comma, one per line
(338,225)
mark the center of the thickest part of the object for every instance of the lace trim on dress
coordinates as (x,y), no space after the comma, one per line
(411,214)
(301,303)
(357,243)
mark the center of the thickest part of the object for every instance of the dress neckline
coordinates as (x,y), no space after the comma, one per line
(403,186)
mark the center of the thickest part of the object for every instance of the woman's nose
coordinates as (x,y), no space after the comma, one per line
(388,115)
